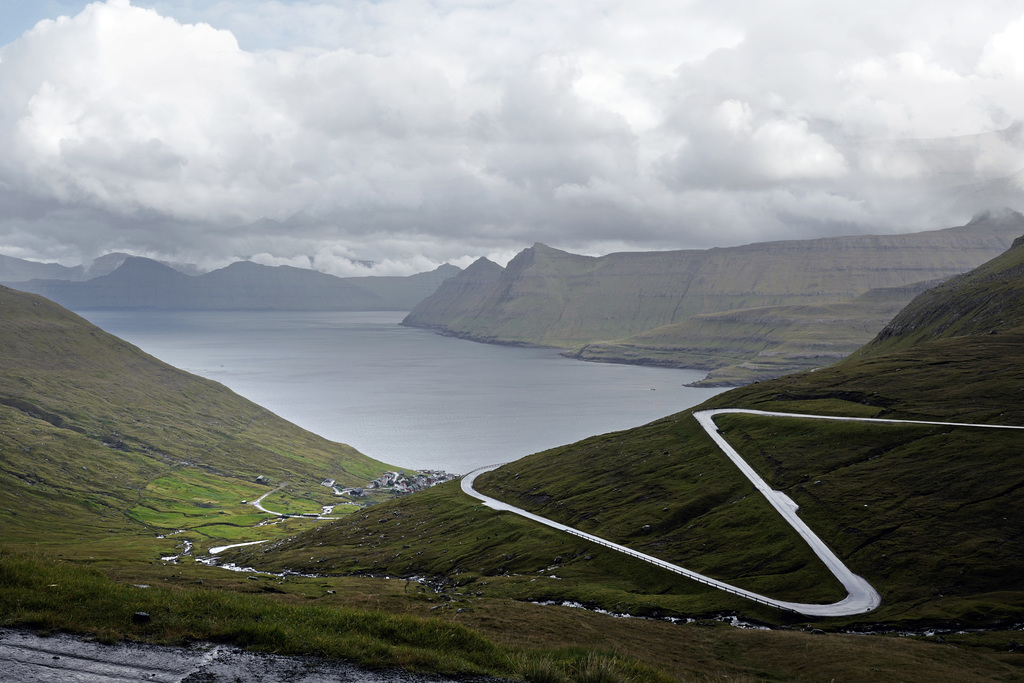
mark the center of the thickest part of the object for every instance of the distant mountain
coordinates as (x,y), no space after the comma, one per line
(549,297)
(144,283)
(18,270)
(402,293)
(15,270)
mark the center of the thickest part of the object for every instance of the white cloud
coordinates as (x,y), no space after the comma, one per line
(411,132)
(1003,55)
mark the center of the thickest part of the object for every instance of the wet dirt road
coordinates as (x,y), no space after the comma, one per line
(28,658)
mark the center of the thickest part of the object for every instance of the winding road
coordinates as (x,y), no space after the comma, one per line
(861,596)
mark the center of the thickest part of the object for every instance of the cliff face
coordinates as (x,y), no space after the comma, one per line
(143,283)
(456,302)
(552,298)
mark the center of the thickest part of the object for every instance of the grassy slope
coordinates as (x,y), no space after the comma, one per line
(888,500)
(988,300)
(98,435)
(703,514)
(927,514)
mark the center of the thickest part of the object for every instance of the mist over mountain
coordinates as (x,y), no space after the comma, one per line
(145,283)
(15,270)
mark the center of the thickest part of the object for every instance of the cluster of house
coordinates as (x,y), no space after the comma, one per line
(401,483)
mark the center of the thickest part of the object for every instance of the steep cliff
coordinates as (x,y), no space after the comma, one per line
(551,298)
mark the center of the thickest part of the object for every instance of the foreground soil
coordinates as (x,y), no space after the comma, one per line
(29,658)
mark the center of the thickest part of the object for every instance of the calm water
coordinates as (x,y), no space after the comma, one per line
(406,396)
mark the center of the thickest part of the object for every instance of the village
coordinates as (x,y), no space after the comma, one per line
(398,483)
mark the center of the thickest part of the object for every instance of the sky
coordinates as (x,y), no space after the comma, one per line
(409,133)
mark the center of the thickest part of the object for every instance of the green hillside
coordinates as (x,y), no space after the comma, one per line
(119,473)
(988,300)
(879,495)
(97,437)
(926,513)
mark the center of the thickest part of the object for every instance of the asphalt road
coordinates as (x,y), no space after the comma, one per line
(861,596)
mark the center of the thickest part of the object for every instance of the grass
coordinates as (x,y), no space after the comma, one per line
(52,596)
(926,513)
(666,491)
(96,435)
(383,623)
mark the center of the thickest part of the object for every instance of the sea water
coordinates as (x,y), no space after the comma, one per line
(404,395)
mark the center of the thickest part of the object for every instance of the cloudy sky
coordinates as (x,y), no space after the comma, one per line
(413,132)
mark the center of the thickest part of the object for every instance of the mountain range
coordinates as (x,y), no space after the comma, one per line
(144,283)
(754,311)
(22,270)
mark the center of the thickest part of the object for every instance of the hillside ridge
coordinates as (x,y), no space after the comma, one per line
(96,430)
(594,306)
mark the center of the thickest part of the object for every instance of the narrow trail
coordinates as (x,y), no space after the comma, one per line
(861,596)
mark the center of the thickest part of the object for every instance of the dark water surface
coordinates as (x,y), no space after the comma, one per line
(406,396)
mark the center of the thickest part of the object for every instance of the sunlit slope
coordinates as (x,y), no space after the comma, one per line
(96,433)
(926,513)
